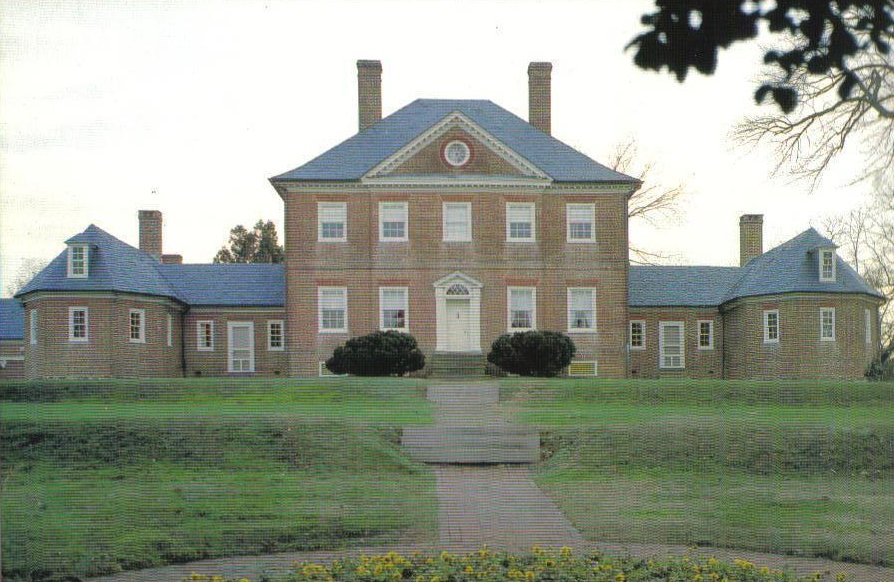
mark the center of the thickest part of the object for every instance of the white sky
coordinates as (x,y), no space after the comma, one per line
(103,102)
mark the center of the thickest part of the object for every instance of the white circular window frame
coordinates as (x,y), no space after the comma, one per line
(465,148)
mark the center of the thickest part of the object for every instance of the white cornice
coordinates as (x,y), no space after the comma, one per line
(480,185)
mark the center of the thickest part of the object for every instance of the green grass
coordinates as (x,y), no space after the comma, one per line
(787,467)
(97,479)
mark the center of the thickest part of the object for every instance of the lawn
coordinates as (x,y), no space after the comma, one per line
(107,476)
(787,467)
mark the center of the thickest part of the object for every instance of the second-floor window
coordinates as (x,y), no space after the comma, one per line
(458,221)
(522,308)
(78,322)
(137,326)
(827,265)
(827,324)
(520,222)
(392,221)
(393,308)
(581,221)
(332,218)
(78,257)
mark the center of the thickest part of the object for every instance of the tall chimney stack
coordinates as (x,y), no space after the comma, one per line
(751,237)
(539,100)
(369,92)
(150,232)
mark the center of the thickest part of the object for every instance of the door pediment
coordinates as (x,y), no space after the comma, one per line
(457,278)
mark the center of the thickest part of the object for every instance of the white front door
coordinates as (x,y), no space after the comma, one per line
(458,325)
(241,346)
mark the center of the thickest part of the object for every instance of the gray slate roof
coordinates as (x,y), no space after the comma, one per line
(356,156)
(791,267)
(12,320)
(117,266)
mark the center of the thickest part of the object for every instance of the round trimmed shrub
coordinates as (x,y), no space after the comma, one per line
(532,353)
(381,353)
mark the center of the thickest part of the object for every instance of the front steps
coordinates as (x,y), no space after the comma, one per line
(457,365)
(472,444)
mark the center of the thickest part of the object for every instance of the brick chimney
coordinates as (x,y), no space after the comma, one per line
(150,232)
(539,100)
(751,237)
(172,259)
(369,92)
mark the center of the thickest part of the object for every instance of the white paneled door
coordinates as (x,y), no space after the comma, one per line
(458,320)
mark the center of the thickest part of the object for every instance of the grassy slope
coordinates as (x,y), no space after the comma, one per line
(99,492)
(791,467)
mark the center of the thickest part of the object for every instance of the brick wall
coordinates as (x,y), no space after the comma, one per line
(699,363)
(11,354)
(215,362)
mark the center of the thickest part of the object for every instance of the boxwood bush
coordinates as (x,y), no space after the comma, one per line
(381,353)
(532,353)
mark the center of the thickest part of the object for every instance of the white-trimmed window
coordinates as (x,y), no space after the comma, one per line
(205,336)
(393,221)
(332,303)
(867,323)
(671,345)
(771,326)
(393,307)
(78,324)
(581,309)
(522,303)
(581,221)
(78,261)
(332,221)
(137,326)
(275,337)
(827,265)
(638,334)
(457,221)
(32,326)
(827,324)
(170,334)
(705,334)
(520,222)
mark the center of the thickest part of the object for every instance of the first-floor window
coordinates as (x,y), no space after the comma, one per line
(137,326)
(78,321)
(771,326)
(827,324)
(867,319)
(393,308)
(638,335)
(33,326)
(333,309)
(706,335)
(205,336)
(522,302)
(581,309)
(170,330)
(275,341)
(670,339)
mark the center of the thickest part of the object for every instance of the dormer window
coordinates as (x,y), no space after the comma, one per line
(827,265)
(78,261)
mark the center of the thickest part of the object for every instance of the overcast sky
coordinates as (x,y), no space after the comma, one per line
(104,103)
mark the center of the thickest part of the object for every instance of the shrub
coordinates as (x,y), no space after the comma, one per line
(532,353)
(381,353)
(882,368)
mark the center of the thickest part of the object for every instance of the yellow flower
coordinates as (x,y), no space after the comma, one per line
(565,552)
(620,577)
(529,576)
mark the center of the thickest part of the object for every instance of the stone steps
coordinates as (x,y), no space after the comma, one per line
(457,365)
(472,444)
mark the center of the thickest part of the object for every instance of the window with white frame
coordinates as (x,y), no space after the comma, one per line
(827,324)
(581,309)
(332,218)
(392,221)
(581,221)
(333,309)
(275,338)
(32,331)
(638,335)
(522,308)
(706,334)
(520,221)
(393,307)
(170,334)
(457,221)
(78,261)
(670,344)
(867,323)
(827,264)
(137,326)
(771,326)
(78,324)
(205,336)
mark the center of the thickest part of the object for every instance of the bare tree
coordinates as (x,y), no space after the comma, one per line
(652,203)
(28,268)
(839,109)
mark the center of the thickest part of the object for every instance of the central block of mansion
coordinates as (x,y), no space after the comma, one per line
(455,221)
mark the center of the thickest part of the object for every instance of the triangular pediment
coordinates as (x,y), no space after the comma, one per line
(427,156)
(457,278)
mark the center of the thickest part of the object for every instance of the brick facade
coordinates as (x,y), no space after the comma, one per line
(12,362)
(699,362)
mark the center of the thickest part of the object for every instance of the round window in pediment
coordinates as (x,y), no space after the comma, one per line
(457,153)
(457,289)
